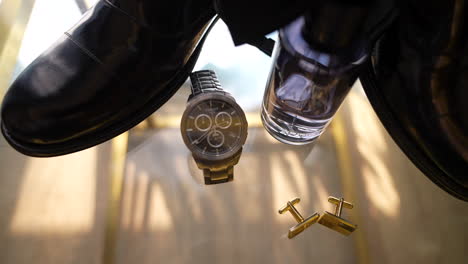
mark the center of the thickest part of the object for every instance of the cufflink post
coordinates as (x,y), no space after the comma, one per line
(303,224)
(334,221)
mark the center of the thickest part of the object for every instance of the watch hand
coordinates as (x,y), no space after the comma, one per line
(204,135)
(221,125)
(198,140)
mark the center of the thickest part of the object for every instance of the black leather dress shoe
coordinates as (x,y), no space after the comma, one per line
(418,84)
(119,64)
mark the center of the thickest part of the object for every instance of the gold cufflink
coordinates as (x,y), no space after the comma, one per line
(302,224)
(334,221)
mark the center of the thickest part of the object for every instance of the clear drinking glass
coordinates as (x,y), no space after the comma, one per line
(306,87)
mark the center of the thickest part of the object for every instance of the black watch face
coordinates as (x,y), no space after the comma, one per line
(214,127)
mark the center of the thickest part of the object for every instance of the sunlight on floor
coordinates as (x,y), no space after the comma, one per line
(127,198)
(296,172)
(321,192)
(49,184)
(161,219)
(372,147)
(283,190)
(140,201)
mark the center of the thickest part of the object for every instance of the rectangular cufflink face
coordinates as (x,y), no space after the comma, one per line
(337,223)
(297,229)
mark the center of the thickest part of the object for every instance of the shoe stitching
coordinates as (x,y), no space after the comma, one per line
(91,55)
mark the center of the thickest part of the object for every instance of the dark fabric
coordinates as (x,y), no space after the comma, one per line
(249,20)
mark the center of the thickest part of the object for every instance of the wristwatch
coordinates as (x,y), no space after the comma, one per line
(214,128)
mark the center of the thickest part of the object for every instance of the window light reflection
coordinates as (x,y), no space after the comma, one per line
(371,145)
(128,194)
(297,174)
(57,195)
(281,185)
(321,193)
(159,217)
(140,195)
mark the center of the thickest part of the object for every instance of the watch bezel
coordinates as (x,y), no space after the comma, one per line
(193,102)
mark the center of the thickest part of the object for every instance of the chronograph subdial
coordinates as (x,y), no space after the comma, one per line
(223,120)
(215,138)
(203,122)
